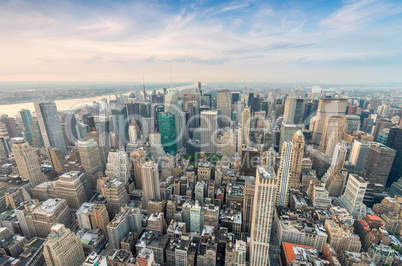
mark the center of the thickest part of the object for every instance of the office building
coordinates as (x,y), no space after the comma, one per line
(167,128)
(63,247)
(380,124)
(394,141)
(209,128)
(138,160)
(245,126)
(150,182)
(26,118)
(333,125)
(118,166)
(249,188)
(27,163)
(358,154)
(50,127)
(294,108)
(224,104)
(70,188)
(115,194)
(352,123)
(90,159)
(93,216)
(378,164)
(284,175)
(263,208)
(287,132)
(327,107)
(57,159)
(298,153)
(128,219)
(352,198)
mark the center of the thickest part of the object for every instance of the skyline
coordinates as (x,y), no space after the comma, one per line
(339,42)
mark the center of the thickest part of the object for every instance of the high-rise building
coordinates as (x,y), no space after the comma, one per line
(394,141)
(334,178)
(167,128)
(116,196)
(118,166)
(63,247)
(138,160)
(245,126)
(358,154)
(225,105)
(9,122)
(50,127)
(70,188)
(334,124)
(37,140)
(102,139)
(380,124)
(284,175)
(26,118)
(352,198)
(93,216)
(90,159)
(287,133)
(378,164)
(150,182)
(172,106)
(327,107)
(298,153)
(263,209)
(128,219)
(209,127)
(352,123)
(132,134)
(293,112)
(27,163)
(57,159)
(249,188)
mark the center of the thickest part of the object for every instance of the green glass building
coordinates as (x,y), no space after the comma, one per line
(167,128)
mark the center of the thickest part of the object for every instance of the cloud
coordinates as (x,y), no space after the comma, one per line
(45,60)
(234,6)
(93,59)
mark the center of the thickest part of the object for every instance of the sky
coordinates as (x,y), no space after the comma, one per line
(352,41)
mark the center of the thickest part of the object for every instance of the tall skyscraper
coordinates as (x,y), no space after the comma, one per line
(27,163)
(209,127)
(245,125)
(26,118)
(132,134)
(167,128)
(172,106)
(394,141)
(327,107)
(70,188)
(294,109)
(118,166)
(116,196)
(284,175)
(150,182)
(63,247)
(378,164)
(334,124)
(37,140)
(224,104)
(263,209)
(380,124)
(298,153)
(50,127)
(334,178)
(358,154)
(138,160)
(90,159)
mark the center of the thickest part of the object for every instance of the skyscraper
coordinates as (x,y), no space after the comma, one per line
(263,209)
(245,126)
(70,188)
(26,118)
(172,106)
(284,175)
(167,128)
(138,160)
(150,182)
(394,141)
(298,153)
(209,127)
(334,124)
(327,107)
(27,163)
(50,127)
(352,198)
(358,154)
(118,166)
(225,105)
(93,216)
(378,164)
(63,247)
(90,159)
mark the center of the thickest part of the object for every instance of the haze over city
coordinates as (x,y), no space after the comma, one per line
(357,41)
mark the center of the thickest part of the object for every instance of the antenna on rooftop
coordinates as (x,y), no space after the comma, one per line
(170,78)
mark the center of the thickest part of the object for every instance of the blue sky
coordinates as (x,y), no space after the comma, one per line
(354,41)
